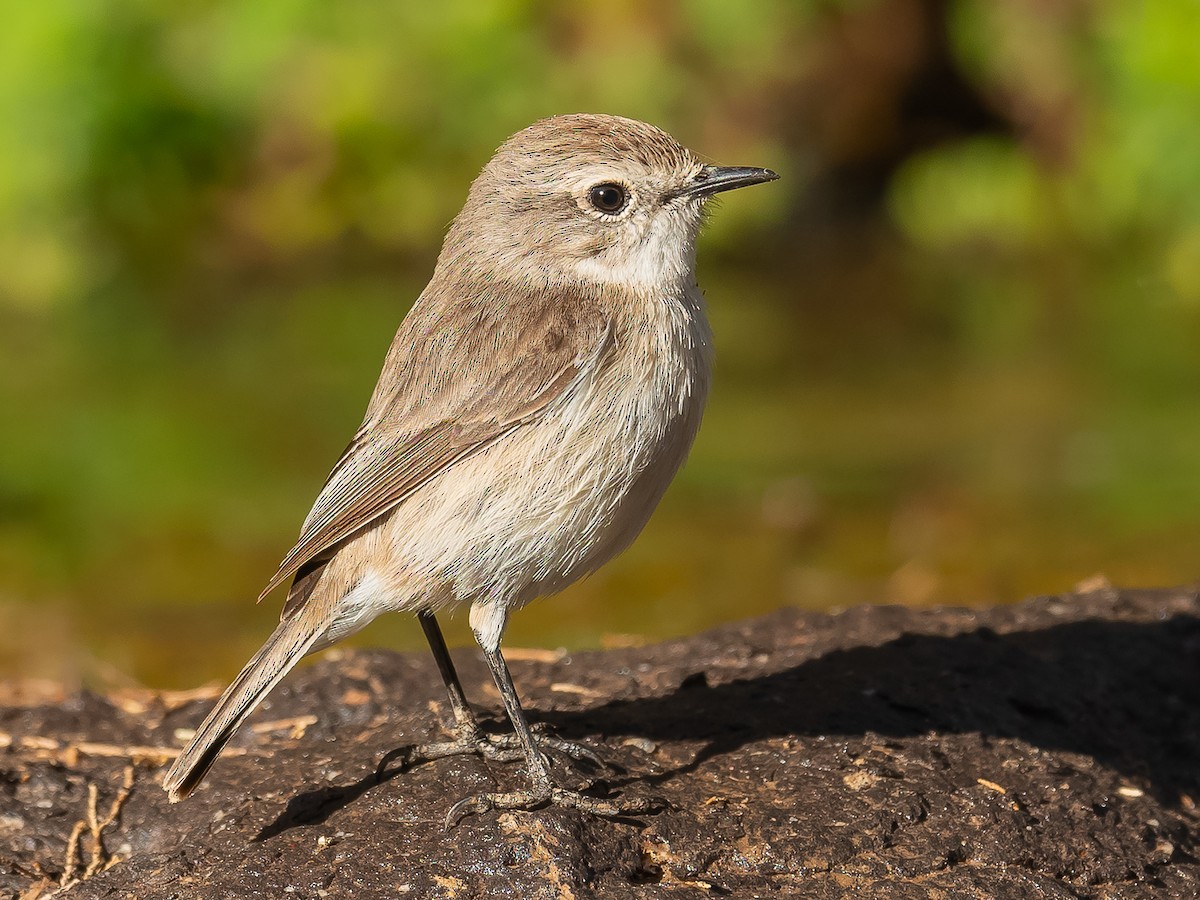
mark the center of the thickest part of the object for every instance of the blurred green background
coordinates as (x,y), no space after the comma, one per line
(957,343)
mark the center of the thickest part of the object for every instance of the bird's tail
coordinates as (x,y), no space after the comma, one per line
(290,641)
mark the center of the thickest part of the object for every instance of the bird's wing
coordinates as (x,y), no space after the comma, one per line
(461,374)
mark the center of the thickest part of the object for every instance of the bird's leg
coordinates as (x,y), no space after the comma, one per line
(543,790)
(469,738)
(466,726)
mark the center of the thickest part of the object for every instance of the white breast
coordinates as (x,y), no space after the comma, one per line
(558,498)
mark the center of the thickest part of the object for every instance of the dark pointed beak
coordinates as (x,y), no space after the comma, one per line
(714,179)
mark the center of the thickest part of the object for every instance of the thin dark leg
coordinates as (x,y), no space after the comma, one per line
(469,738)
(539,772)
(463,717)
(543,790)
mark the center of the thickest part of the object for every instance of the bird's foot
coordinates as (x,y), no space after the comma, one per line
(549,795)
(495,747)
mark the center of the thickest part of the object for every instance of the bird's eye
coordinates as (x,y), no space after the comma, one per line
(608,197)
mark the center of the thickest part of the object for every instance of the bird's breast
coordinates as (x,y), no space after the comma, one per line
(627,431)
(650,393)
(560,496)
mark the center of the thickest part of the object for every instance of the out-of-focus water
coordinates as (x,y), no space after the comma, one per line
(858,449)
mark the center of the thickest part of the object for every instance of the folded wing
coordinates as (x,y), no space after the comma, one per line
(467,368)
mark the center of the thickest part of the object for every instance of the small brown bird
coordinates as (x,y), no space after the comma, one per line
(535,404)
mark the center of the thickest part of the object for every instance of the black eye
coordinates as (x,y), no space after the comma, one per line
(608,197)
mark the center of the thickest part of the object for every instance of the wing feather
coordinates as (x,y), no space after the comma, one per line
(466,369)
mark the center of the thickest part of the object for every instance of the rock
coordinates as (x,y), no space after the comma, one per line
(1048,749)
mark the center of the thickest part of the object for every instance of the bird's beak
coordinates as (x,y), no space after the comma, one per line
(714,179)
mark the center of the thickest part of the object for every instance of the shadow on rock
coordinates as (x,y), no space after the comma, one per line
(1125,693)
(314,807)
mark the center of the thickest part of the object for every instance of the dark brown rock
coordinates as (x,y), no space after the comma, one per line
(1049,749)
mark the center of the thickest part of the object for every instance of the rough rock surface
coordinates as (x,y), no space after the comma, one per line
(1049,749)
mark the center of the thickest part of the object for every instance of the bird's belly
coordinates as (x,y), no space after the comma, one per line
(553,501)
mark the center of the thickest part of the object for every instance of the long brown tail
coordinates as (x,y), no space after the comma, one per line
(284,648)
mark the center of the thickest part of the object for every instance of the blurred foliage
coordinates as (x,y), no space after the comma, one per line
(957,343)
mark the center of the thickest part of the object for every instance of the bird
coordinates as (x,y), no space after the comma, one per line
(535,403)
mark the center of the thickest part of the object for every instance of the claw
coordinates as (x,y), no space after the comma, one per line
(495,747)
(545,795)
(573,750)
(507,748)
(472,806)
